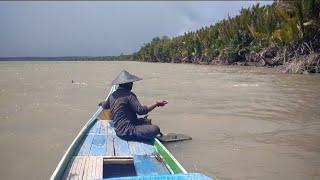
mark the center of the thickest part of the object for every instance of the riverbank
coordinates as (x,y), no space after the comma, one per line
(282,59)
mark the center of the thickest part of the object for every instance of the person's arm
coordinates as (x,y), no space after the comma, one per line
(141,110)
(157,104)
(136,106)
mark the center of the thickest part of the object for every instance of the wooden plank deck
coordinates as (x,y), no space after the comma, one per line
(111,131)
(93,168)
(86,145)
(121,147)
(140,148)
(95,129)
(101,141)
(99,145)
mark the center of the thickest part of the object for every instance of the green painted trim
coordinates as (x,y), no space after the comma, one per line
(58,172)
(175,166)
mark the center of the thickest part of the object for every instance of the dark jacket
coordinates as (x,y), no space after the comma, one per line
(124,107)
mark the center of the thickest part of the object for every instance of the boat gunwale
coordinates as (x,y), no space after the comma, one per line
(58,172)
(170,160)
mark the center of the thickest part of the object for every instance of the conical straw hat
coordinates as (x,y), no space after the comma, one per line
(125,77)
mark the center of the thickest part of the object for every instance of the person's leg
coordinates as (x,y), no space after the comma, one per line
(142,121)
(139,121)
(146,132)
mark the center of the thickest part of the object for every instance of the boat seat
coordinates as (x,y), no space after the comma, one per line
(187,176)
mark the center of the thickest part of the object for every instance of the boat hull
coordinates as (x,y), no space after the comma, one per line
(97,153)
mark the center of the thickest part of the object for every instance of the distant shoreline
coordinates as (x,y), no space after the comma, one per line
(297,64)
(75,58)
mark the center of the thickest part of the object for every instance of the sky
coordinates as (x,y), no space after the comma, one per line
(101,28)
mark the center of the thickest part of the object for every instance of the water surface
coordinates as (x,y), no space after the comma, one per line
(246,122)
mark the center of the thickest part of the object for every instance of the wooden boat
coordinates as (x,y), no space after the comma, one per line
(97,153)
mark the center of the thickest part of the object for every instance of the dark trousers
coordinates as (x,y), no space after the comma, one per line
(146,132)
(143,131)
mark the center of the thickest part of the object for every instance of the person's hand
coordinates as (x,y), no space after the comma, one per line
(100,104)
(161,103)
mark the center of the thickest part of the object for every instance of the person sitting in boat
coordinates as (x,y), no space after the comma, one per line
(124,107)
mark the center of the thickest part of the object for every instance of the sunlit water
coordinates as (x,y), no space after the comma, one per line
(246,122)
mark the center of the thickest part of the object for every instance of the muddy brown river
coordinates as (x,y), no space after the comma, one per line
(246,122)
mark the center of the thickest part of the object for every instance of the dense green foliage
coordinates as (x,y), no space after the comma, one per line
(279,24)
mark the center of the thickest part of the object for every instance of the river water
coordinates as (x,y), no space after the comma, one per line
(246,122)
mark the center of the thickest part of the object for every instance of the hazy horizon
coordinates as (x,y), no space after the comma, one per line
(68,29)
